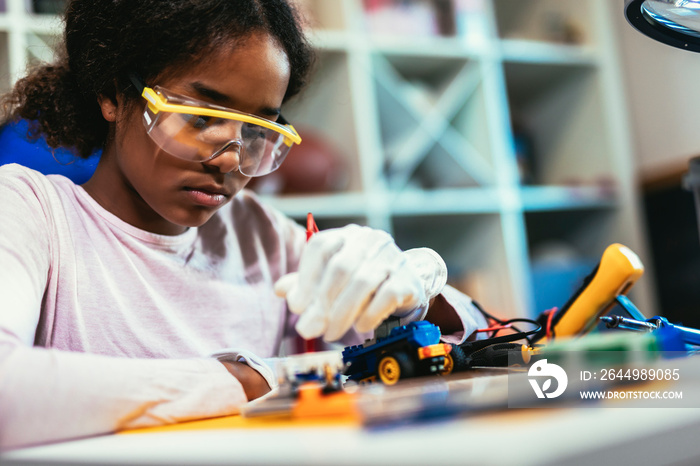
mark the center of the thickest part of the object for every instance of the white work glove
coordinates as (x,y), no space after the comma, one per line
(358,276)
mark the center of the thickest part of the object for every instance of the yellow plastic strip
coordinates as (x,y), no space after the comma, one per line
(240,422)
(157,103)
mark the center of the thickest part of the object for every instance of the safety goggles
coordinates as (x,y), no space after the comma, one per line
(195,130)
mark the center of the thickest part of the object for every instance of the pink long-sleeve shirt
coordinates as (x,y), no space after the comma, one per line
(104,326)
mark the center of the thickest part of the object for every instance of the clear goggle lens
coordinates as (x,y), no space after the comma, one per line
(193,130)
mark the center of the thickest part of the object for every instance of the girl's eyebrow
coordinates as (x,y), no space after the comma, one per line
(223,100)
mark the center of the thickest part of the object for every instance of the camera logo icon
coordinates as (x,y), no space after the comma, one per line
(547,371)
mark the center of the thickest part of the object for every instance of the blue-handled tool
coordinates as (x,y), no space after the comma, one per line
(690,335)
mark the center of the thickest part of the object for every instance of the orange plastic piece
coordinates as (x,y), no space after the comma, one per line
(440,349)
(312,402)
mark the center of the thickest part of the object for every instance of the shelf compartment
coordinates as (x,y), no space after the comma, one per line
(564,248)
(558,111)
(448,164)
(41,48)
(5,78)
(46,7)
(472,247)
(332,40)
(432,110)
(44,24)
(557,21)
(331,15)
(587,232)
(554,282)
(325,109)
(409,18)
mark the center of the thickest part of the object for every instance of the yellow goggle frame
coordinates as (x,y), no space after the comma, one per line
(158,103)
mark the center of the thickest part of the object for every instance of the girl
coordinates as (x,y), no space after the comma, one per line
(149,294)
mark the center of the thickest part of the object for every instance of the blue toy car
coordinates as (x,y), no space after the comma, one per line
(407,351)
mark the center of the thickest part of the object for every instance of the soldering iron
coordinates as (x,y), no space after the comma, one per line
(689,335)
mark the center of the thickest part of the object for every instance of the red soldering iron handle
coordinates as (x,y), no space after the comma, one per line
(311,228)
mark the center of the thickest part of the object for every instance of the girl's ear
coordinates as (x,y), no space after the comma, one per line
(108,107)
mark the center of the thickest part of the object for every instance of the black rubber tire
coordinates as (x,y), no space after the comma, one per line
(460,361)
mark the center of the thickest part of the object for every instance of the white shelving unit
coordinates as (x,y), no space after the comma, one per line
(25,38)
(427,128)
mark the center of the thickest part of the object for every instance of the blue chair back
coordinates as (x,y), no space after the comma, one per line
(15,147)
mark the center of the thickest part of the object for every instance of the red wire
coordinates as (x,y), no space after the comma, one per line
(550,315)
(495,327)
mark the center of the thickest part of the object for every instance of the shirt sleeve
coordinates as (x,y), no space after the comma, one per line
(47,394)
(467,312)
(25,251)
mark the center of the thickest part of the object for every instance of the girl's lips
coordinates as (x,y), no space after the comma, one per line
(205,198)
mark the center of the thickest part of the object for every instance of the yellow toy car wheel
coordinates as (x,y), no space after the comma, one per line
(394,367)
(449,365)
(389,370)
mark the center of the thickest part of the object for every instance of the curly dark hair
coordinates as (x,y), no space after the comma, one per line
(105,40)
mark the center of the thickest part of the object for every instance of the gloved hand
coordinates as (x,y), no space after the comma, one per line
(358,276)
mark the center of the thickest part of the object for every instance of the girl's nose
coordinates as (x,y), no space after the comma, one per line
(228,157)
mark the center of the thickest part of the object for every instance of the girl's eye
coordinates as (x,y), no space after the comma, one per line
(253,132)
(197,121)
(201,121)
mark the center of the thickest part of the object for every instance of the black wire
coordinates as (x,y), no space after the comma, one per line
(475,345)
(506,322)
(525,335)
(486,314)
